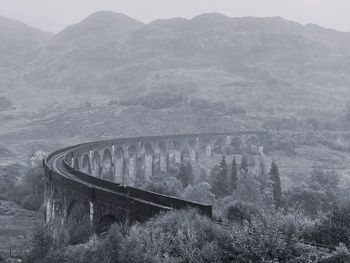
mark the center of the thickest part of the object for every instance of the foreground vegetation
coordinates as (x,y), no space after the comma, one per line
(254,221)
(186,236)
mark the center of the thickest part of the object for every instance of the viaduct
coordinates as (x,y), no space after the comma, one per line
(99,182)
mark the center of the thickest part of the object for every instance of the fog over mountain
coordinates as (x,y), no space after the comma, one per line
(246,61)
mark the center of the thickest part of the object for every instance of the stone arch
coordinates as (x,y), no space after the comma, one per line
(107,172)
(76,214)
(218,145)
(252,145)
(132,154)
(148,161)
(203,146)
(237,145)
(95,164)
(71,208)
(105,223)
(85,164)
(119,165)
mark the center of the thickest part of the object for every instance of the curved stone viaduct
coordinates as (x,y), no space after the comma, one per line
(97,182)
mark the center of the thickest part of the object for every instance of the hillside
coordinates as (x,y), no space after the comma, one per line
(251,62)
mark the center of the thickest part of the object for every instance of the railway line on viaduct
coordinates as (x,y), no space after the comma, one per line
(99,182)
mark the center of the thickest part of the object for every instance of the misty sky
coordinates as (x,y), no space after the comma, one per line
(54,15)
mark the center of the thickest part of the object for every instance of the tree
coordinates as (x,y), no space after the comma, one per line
(234,175)
(238,211)
(262,173)
(244,164)
(219,180)
(41,244)
(185,174)
(333,229)
(199,193)
(276,184)
(223,166)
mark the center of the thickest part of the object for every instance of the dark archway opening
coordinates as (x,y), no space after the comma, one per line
(105,223)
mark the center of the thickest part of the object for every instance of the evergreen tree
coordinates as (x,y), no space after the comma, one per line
(189,173)
(223,167)
(220,178)
(262,176)
(244,164)
(276,184)
(185,174)
(234,175)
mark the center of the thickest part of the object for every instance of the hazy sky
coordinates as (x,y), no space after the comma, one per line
(54,15)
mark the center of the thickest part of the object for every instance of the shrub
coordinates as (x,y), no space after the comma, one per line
(239,211)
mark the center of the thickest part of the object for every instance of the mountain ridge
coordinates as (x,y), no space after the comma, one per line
(276,61)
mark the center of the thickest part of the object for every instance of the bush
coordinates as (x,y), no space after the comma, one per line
(165,185)
(199,193)
(32,202)
(333,229)
(239,211)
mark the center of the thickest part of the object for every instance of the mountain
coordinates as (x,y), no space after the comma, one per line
(247,61)
(19,44)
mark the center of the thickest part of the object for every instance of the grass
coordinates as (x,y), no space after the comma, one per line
(17,225)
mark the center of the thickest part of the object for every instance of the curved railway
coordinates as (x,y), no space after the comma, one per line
(102,179)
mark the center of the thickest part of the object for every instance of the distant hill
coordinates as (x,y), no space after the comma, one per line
(246,61)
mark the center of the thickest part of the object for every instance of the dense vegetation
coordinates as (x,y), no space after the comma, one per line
(24,184)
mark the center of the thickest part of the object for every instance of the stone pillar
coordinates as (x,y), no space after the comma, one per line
(124,171)
(92,212)
(127,168)
(162,160)
(178,156)
(167,157)
(208,152)
(167,162)
(193,154)
(153,164)
(90,160)
(72,160)
(48,210)
(148,166)
(112,169)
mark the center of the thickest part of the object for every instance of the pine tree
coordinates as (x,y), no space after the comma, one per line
(234,175)
(276,184)
(262,175)
(223,167)
(219,180)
